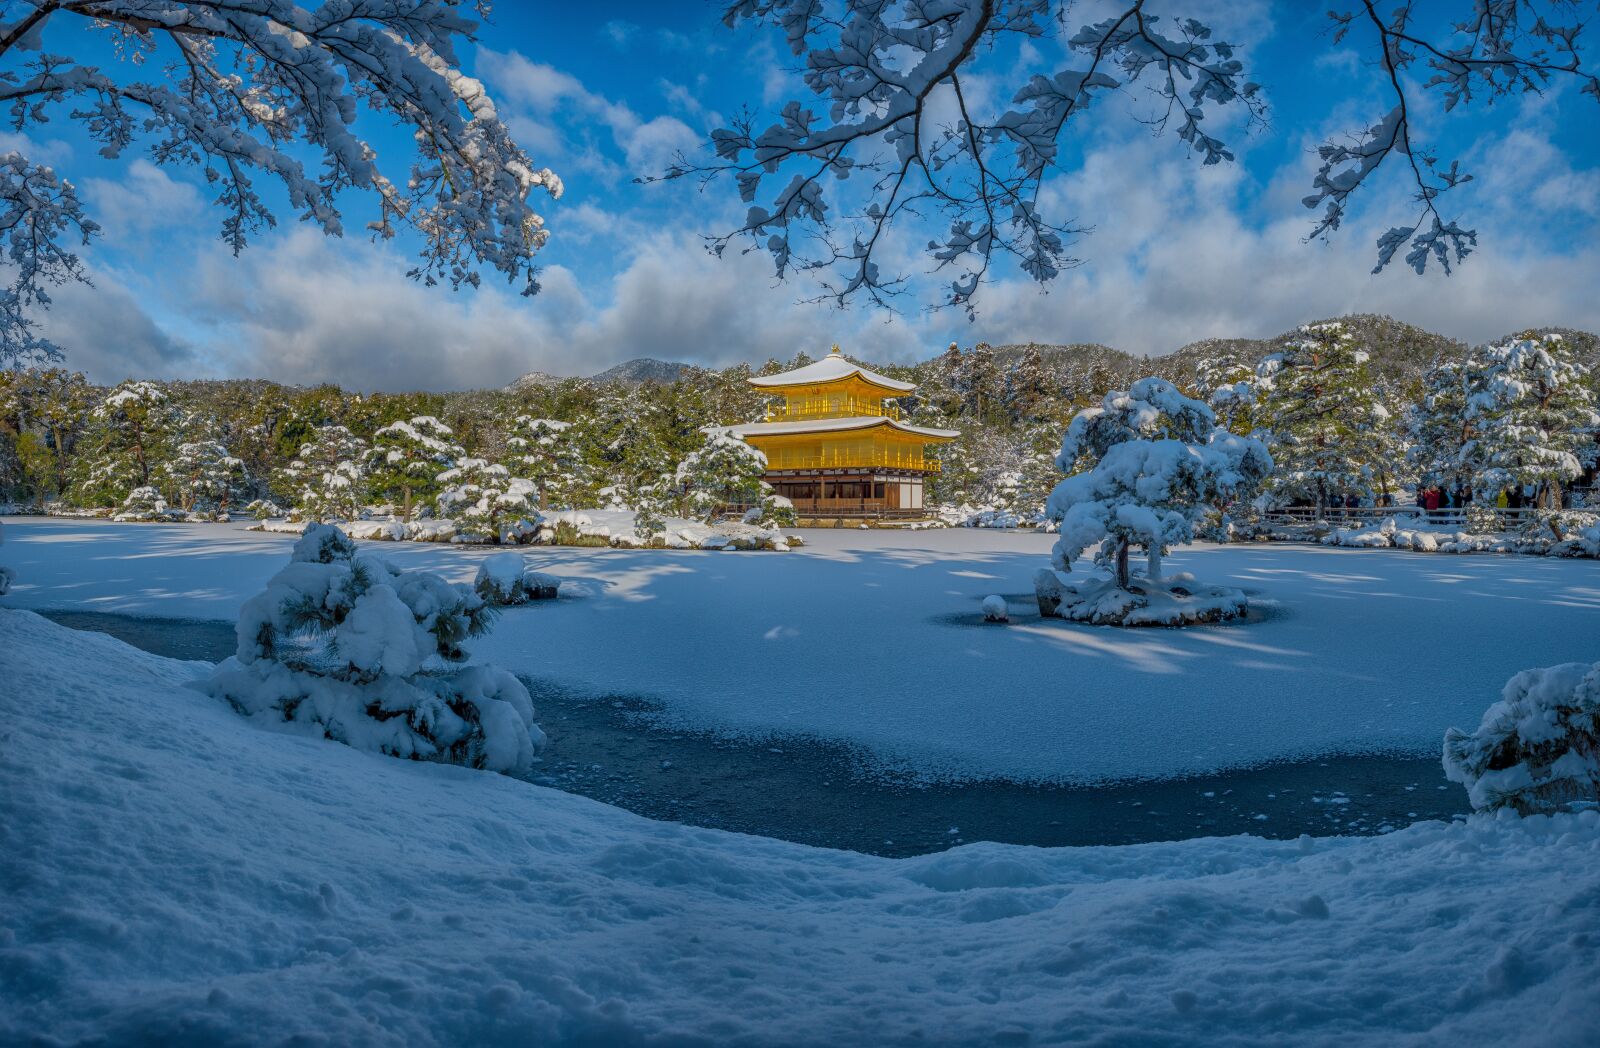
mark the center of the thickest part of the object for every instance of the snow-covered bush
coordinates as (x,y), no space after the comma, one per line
(346,645)
(143,504)
(328,477)
(505,578)
(261,509)
(485,501)
(1538,748)
(1156,462)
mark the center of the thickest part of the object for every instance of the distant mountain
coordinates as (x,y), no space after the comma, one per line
(1401,351)
(645,370)
(535,378)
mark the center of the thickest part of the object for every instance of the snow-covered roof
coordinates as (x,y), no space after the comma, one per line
(834,425)
(831,368)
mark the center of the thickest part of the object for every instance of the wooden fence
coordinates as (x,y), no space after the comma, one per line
(1362,516)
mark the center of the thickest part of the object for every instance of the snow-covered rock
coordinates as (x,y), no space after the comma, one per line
(994,609)
(505,578)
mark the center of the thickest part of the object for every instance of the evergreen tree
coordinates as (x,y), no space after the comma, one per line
(406,459)
(1322,418)
(205,478)
(1438,427)
(131,431)
(1027,386)
(544,451)
(1143,467)
(1531,413)
(484,500)
(724,471)
(327,480)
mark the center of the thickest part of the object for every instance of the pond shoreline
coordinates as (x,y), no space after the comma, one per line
(610,749)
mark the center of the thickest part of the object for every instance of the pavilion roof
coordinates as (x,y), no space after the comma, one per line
(837,425)
(831,368)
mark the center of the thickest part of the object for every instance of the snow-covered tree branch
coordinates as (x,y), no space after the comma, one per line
(262,89)
(901,140)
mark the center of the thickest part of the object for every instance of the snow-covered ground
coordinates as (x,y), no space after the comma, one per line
(875,638)
(175,874)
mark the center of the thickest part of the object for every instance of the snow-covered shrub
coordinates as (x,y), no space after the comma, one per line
(1156,463)
(144,504)
(262,509)
(485,502)
(328,477)
(348,646)
(1538,748)
(505,578)
(994,609)
(1481,519)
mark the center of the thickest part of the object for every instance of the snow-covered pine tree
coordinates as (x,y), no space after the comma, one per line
(1531,413)
(724,472)
(327,480)
(544,452)
(1438,428)
(1143,467)
(1027,386)
(205,478)
(484,500)
(350,645)
(406,459)
(1227,382)
(1323,419)
(131,430)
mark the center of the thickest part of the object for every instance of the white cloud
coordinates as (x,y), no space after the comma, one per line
(145,198)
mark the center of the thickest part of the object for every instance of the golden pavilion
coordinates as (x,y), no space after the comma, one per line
(837,446)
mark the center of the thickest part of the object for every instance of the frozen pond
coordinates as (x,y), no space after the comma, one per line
(868,643)
(610,748)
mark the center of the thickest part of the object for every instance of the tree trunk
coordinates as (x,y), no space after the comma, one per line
(405,503)
(1122,563)
(1153,561)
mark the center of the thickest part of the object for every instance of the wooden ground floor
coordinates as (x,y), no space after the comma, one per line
(863,493)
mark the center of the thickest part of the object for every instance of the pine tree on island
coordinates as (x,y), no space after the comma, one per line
(1143,467)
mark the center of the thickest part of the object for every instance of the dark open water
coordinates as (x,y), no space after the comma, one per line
(607,747)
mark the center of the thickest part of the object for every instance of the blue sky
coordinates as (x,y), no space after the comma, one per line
(602,93)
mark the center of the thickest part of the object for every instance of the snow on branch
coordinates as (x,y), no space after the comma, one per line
(240,89)
(900,114)
(1505,48)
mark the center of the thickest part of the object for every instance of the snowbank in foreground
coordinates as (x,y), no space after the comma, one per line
(174,874)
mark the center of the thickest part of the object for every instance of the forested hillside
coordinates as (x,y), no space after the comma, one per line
(65,441)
